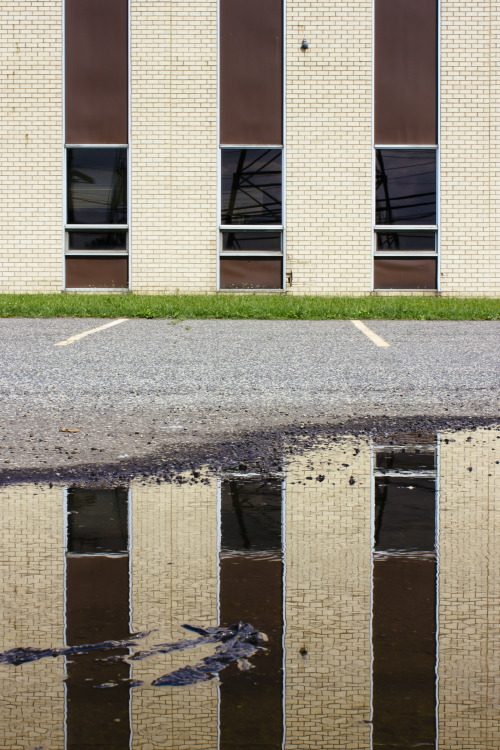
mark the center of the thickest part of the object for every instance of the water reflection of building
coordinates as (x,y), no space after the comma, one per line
(330,662)
(404,615)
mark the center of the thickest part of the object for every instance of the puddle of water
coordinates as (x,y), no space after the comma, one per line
(368,572)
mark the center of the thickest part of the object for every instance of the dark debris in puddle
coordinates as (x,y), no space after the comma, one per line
(236,643)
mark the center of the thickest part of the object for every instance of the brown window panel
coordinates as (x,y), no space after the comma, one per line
(405,273)
(251,72)
(96,68)
(96,273)
(406,72)
(251,273)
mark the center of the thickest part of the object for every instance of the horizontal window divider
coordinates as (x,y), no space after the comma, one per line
(96,145)
(253,253)
(394,228)
(96,290)
(97,253)
(250,227)
(93,227)
(253,145)
(275,290)
(407,146)
(405,254)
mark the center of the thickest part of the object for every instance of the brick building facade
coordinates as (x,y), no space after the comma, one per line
(346,148)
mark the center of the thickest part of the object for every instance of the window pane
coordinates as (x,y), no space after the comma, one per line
(406,186)
(251,241)
(97,185)
(97,521)
(251,273)
(404,272)
(405,511)
(95,272)
(97,241)
(406,241)
(251,186)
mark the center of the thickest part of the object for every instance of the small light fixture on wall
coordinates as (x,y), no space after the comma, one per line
(305,44)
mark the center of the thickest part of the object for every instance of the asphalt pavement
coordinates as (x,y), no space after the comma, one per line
(147,385)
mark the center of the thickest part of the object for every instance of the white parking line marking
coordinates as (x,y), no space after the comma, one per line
(377,340)
(92,330)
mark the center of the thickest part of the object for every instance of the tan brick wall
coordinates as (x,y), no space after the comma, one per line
(328,146)
(328,583)
(470,153)
(174,145)
(469,591)
(31,146)
(174,581)
(32,606)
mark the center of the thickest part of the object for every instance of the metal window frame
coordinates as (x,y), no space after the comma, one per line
(405,227)
(435,146)
(279,475)
(282,146)
(67,227)
(65,145)
(435,474)
(250,227)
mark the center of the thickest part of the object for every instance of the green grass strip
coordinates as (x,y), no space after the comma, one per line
(246,306)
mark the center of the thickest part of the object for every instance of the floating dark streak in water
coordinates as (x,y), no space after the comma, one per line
(238,642)
(16,656)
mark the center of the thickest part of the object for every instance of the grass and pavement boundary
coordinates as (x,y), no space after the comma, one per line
(247,307)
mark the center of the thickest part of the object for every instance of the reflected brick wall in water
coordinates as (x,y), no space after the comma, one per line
(328,585)
(32,607)
(469,591)
(328,569)
(174,581)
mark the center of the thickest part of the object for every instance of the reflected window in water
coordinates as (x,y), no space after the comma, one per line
(251,590)
(404,604)
(97,609)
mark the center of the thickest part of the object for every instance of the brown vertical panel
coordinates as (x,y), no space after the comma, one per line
(97,609)
(251,273)
(251,706)
(251,590)
(406,72)
(405,273)
(96,71)
(96,273)
(251,71)
(404,653)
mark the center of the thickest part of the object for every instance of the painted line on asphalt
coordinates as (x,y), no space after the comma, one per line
(374,337)
(82,335)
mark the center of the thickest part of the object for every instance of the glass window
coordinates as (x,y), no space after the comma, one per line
(406,186)
(97,185)
(97,521)
(105,241)
(251,186)
(263,241)
(407,241)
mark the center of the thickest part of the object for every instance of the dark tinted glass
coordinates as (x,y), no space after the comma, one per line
(251,186)
(97,521)
(406,186)
(411,241)
(97,240)
(251,515)
(97,185)
(251,241)
(405,510)
(416,459)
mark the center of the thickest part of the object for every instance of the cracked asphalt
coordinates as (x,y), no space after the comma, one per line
(153,386)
